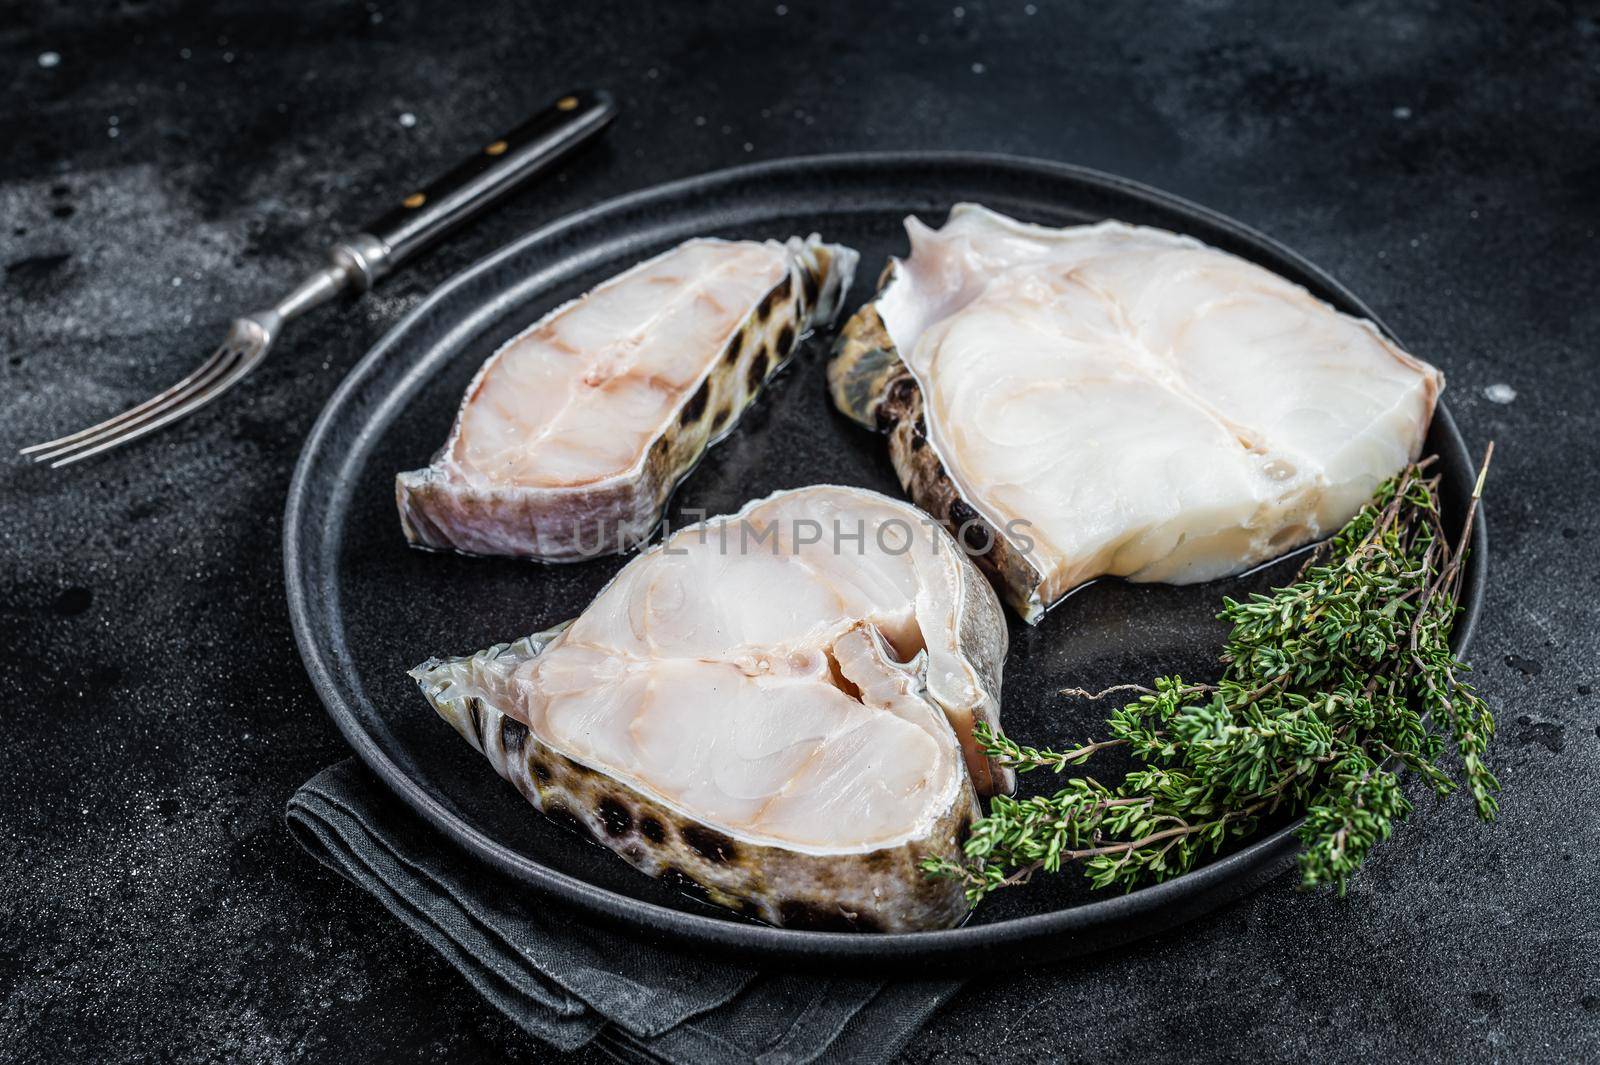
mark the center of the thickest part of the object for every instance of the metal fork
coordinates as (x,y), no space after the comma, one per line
(356,263)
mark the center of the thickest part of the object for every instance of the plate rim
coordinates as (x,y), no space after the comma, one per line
(1070,931)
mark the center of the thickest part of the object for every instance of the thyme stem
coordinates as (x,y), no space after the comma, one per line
(1328,688)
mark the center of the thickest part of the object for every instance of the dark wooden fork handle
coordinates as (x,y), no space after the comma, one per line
(498,169)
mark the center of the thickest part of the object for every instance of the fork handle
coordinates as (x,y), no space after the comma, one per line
(494,172)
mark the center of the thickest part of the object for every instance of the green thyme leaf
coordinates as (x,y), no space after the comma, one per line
(1327,690)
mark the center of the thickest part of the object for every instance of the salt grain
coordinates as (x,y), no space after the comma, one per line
(1500,393)
(49,59)
(408,120)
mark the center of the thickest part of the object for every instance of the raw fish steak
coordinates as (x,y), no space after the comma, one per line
(573,435)
(773,708)
(1110,399)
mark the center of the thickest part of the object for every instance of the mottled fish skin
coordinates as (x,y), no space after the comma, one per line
(872,386)
(881,891)
(857,886)
(440,510)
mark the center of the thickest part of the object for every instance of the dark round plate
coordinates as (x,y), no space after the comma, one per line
(365,607)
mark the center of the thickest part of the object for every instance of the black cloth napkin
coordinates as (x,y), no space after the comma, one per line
(568,982)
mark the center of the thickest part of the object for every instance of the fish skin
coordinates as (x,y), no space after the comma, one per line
(881,891)
(440,510)
(859,887)
(871,382)
(871,385)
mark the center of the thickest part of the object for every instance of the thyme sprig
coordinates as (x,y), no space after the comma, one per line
(1328,689)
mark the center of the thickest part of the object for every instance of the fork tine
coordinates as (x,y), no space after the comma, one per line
(235,364)
(128,433)
(132,413)
(210,370)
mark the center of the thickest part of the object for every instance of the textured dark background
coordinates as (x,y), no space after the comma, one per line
(181,161)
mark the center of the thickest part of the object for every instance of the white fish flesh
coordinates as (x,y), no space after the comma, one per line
(1111,399)
(774,708)
(573,435)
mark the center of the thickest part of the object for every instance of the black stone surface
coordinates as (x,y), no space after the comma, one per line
(181,161)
